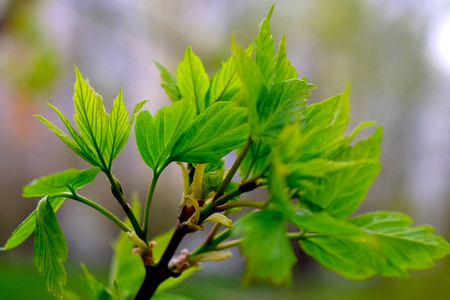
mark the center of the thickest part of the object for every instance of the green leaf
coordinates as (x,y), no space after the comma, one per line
(324,126)
(283,69)
(68,140)
(351,259)
(268,251)
(193,82)
(220,129)
(253,86)
(396,249)
(156,136)
(318,167)
(90,115)
(169,83)
(61,182)
(342,192)
(50,249)
(404,247)
(256,161)
(77,144)
(27,227)
(269,108)
(225,84)
(96,290)
(320,223)
(283,104)
(264,46)
(118,130)
(116,293)
(136,110)
(101,136)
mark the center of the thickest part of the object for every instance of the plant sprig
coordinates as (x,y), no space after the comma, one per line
(314,173)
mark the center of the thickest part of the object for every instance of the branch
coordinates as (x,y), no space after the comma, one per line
(99,208)
(116,190)
(241,203)
(233,169)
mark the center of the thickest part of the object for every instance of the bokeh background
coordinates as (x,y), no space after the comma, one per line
(396,53)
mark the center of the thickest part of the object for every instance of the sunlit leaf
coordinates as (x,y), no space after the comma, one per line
(169,83)
(26,228)
(118,130)
(220,129)
(90,115)
(342,192)
(268,251)
(264,46)
(50,249)
(397,248)
(192,79)
(96,290)
(61,182)
(156,136)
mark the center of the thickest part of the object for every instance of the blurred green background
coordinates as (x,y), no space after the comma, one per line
(396,54)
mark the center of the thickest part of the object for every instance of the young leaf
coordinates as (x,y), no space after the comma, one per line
(396,248)
(325,124)
(283,104)
(26,228)
(320,223)
(264,46)
(269,109)
(77,144)
(169,83)
(283,69)
(343,191)
(102,136)
(404,247)
(192,79)
(117,293)
(96,290)
(220,129)
(225,84)
(118,130)
(256,161)
(155,136)
(90,115)
(136,110)
(253,86)
(50,249)
(268,251)
(61,182)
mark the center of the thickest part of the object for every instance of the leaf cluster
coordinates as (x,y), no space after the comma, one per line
(316,173)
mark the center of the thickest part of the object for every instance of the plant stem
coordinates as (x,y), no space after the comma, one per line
(229,244)
(97,207)
(233,169)
(118,194)
(258,147)
(210,246)
(242,203)
(211,208)
(148,202)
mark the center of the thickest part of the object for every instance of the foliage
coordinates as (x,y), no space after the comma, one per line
(315,174)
